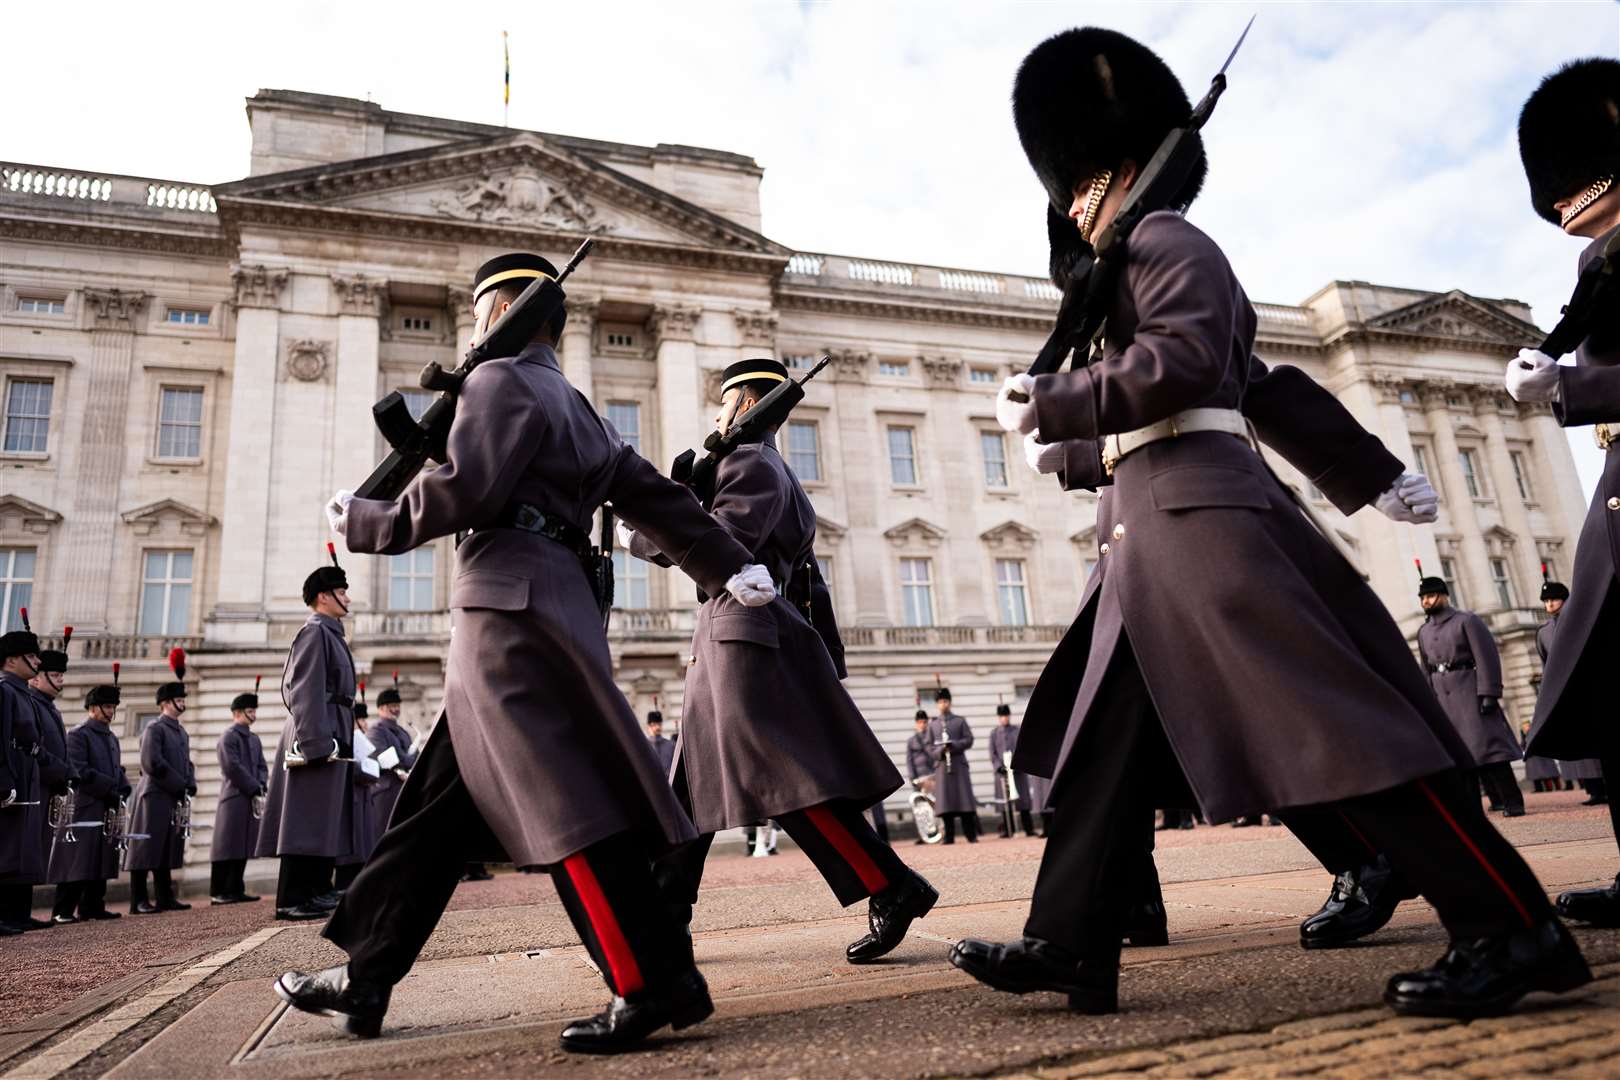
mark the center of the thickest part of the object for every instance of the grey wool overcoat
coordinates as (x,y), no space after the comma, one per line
(56,772)
(155,837)
(1580,768)
(308,809)
(949,739)
(1450,636)
(1232,603)
(1004,740)
(385,733)
(550,751)
(1573,710)
(93,749)
(22,824)
(766,725)
(244,775)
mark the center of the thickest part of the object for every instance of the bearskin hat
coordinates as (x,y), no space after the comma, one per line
(1085,100)
(1569,132)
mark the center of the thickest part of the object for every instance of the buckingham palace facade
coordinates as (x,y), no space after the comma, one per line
(188,373)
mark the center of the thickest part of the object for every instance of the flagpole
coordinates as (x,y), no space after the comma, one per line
(506,104)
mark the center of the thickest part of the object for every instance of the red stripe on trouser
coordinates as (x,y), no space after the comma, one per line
(1518,905)
(847,847)
(621,961)
(1352,827)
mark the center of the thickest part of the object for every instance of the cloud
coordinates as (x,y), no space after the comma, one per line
(1370,141)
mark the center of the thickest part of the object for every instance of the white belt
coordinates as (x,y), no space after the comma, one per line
(1224,421)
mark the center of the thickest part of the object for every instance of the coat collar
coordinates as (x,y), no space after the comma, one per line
(16,682)
(1441,616)
(325,621)
(539,354)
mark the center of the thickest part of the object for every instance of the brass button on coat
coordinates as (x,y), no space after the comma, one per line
(1103,549)
(1119,532)
(1614,504)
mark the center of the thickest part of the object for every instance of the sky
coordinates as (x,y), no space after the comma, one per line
(1370,141)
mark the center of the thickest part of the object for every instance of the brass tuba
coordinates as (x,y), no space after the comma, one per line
(115,824)
(182,817)
(60,817)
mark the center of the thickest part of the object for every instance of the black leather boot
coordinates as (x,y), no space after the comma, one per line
(1146,925)
(359,1006)
(1487,976)
(890,914)
(1030,965)
(1595,907)
(1362,902)
(626,1022)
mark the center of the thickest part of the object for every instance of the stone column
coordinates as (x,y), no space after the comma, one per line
(1566,500)
(1390,546)
(1459,504)
(239,614)
(361,304)
(1514,514)
(577,338)
(863,473)
(679,396)
(459,301)
(756,334)
(103,448)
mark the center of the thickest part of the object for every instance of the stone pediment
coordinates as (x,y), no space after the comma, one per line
(829,530)
(1457,316)
(916,533)
(516,181)
(1009,535)
(169,517)
(18,514)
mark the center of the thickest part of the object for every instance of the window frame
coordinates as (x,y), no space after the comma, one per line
(1473,478)
(200,425)
(9,582)
(1448,574)
(415,393)
(889,428)
(634,439)
(1519,461)
(40,298)
(814,427)
(1506,592)
(623,564)
(10,379)
(168,583)
(925,586)
(893,369)
(984,462)
(204,316)
(414,577)
(1021,586)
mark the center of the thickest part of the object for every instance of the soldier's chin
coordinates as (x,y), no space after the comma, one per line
(1602,204)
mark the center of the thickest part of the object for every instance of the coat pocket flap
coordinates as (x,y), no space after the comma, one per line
(758,628)
(489,589)
(1190,487)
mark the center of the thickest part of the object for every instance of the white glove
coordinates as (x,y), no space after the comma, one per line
(752,586)
(1042,457)
(337,511)
(1013,415)
(1532,376)
(1411,498)
(625,534)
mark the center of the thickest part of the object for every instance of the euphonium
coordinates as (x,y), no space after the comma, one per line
(115,824)
(60,817)
(182,817)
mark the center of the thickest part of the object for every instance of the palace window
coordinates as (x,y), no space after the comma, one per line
(804,449)
(40,305)
(1469,462)
(902,456)
(1011,595)
(1503,582)
(982,376)
(1448,574)
(621,336)
(180,316)
(916,592)
(625,416)
(993,447)
(16,586)
(630,588)
(1086,567)
(180,423)
(417,401)
(1408,398)
(166,593)
(824,564)
(799,363)
(894,369)
(28,416)
(410,580)
(416,324)
(1521,475)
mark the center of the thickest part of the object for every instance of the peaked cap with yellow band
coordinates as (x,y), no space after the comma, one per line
(753,371)
(519,266)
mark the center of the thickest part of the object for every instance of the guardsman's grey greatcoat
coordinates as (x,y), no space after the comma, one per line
(308,809)
(93,749)
(364,828)
(766,725)
(22,824)
(949,739)
(665,749)
(1464,666)
(155,839)
(386,733)
(56,772)
(1580,768)
(1004,740)
(918,762)
(244,776)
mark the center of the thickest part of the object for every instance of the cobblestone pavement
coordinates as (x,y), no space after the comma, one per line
(188,994)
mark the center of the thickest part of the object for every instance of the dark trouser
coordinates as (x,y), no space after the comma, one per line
(16,903)
(303,878)
(1433,831)
(396,900)
(1500,785)
(225,877)
(345,875)
(161,881)
(970,825)
(88,897)
(837,837)
(880,823)
(1611,767)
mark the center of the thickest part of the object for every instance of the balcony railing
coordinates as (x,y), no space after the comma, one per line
(135,646)
(874,637)
(46,182)
(841,269)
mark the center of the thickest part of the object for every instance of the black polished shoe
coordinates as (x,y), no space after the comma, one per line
(1146,925)
(1362,902)
(173,905)
(302,912)
(1595,907)
(64,920)
(247,898)
(890,914)
(1030,965)
(359,1006)
(145,907)
(32,923)
(220,901)
(1486,977)
(626,1023)
(1513,811)
(7,930)
(327,901)
(99,915)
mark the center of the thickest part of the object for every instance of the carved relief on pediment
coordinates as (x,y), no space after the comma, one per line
(520,197)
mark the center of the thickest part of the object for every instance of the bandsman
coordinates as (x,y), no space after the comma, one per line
(1003,741)
(244,779)
(1465,670)
(949,740)
(24,802)
(309,811)
(364,775)
(80,869)
(160,812)
(662,746)
(386,733)
(1545,770)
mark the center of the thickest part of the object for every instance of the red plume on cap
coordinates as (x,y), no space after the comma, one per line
(67,631)
(177,662)
(1545,574)
(115,672)
(24,613)
(256,679)
(362,687)
(396,678)
(1419,564)
(331,551)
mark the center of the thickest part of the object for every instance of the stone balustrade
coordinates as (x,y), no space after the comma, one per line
(134,646)
(45,183)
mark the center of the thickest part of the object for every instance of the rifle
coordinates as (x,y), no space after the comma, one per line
(1596,290)
(415,441)
(1090,288)
(770,411)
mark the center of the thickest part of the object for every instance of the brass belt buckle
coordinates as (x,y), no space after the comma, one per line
(1603,436)
(1110,455)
